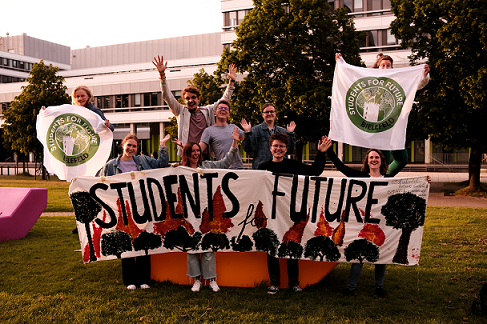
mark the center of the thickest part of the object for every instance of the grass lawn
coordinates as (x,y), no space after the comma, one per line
(57,190)
(42,280)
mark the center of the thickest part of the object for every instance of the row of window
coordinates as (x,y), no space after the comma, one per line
(364,8)
(10,79)
(137,100)
(7,63)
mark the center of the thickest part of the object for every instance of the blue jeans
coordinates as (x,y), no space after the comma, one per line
(356,269)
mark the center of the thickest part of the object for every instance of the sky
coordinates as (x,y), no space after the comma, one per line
(78,24)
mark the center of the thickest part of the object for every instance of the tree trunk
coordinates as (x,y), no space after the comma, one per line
(401,255)
(474,166)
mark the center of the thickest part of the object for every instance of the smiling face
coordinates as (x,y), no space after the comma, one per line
(191,100)
(195,155)
(269,114)
(374,160)
(222,111)
(278,150)
(129,149)
(82,98)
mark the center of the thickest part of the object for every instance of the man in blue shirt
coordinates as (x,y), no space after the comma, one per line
(256,139)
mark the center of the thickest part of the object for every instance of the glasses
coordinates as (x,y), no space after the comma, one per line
(189,98)
(269,112)
(223,108)
(278,146)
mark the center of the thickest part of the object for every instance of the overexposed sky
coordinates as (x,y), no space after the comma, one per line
(106,22)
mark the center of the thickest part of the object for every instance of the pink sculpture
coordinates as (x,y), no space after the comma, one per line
(19,210)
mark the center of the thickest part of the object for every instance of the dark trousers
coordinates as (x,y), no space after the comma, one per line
(275,272)
(136,271)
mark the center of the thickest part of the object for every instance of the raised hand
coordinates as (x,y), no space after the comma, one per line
(165,139)
(324,144)
(160,65)
(177,142)
(426,69)
(107,123)
(246,126)
(235,136)
(291,126)
(232,72)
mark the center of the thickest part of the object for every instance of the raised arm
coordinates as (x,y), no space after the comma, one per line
(174,106)
(347,171)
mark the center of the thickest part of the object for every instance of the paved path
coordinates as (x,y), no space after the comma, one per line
(436,197)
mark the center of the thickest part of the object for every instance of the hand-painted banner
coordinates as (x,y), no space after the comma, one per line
(76,141)
(317,218)
(370,107)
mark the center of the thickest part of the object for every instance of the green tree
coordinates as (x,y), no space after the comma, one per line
(362,249)
(320,247)
(404,211)
(208,85)
(287,50)
(147,241)
(45,88)
(452,36)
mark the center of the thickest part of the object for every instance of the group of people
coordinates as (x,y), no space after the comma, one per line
(202,127)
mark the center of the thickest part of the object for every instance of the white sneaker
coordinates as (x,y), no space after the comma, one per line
(131,287)
(214,286)
(144,286)
(196,286)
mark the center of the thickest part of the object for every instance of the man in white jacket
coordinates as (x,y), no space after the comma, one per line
(192,119)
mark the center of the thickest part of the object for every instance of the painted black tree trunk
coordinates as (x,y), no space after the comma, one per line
(401,255)
(90,242)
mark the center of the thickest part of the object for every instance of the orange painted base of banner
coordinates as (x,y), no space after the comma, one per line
(237,269)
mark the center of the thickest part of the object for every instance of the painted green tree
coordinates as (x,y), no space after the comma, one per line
(116,243)
(452,37)
(45,88)
(147,241)
(404,211)
(86,209)
(286,49)
(361,250)
(321,247)
(266,240)
(181,240)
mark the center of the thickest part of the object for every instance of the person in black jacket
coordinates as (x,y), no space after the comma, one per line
(278,164)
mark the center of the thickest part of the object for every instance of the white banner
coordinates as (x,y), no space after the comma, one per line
(317,218)
(370,107)
(76,141)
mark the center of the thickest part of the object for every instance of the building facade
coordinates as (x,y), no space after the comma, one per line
(126,86)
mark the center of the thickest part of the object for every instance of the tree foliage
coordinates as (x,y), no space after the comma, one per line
(181,240)
(208,85)
(452,36)
(116,243)
(85,210)
(147,241)
(45,88)
(404,211)
(215,242)
(287,50)
(290,248)
(320,247)
(362,249)
(242,244)
(266,240)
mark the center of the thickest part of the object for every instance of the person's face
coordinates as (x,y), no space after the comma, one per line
(385,64)
(191,100)
(269,113)
(82,97)
(374,160)
(195,154)
(278,149)
(130,148)
(222,111)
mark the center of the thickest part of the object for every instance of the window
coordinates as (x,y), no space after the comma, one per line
(389,38)
(232,19)
(150,99)
(103,102)
(378,40)
(137,100)
(176,94)
(122,101)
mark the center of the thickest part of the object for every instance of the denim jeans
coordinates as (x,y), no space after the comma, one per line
(206,265)
(356,269)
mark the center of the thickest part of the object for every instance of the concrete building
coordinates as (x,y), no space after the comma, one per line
(126,85)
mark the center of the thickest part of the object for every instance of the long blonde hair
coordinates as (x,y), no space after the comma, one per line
(74,101)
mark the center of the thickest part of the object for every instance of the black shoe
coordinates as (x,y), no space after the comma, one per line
(381,293)
(75,231)
(347,292)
